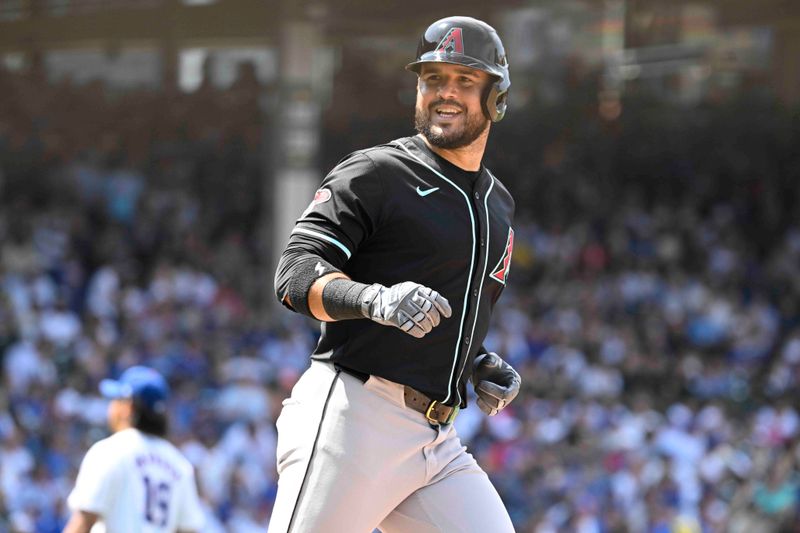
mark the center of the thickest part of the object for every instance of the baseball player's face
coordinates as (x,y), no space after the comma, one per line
(119,414)
(448,111)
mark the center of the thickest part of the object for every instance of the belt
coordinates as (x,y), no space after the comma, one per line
(435,412)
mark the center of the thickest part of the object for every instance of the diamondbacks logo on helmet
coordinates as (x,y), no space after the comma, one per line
(452,43)
(500,272)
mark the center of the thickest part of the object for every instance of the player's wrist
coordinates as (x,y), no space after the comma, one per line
(369,300)
(342,299)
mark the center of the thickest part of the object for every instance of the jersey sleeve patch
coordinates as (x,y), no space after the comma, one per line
(321,196)
(346,206)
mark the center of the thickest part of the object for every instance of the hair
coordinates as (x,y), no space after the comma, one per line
(148,420)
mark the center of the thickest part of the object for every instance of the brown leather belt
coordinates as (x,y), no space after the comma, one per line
(435,412)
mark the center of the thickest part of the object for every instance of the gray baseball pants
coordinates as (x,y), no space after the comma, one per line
(352,457)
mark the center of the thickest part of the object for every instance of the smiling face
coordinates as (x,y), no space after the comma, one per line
(448,111)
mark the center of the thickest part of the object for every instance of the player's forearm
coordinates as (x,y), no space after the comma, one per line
(302,283)
(301,276)
(315,302)
(80,522)
(308,284)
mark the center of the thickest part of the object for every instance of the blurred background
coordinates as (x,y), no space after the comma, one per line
(155,153)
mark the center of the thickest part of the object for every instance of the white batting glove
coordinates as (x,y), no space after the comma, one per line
(496,383)
(411,307)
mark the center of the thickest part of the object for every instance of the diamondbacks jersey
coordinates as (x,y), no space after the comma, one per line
(137,483)
(399,212)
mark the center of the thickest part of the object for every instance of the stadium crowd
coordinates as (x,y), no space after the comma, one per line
(653,308)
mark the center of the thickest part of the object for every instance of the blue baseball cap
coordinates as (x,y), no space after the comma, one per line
(139,383)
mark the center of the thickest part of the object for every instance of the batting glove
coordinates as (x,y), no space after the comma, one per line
(412,307)
(495,382)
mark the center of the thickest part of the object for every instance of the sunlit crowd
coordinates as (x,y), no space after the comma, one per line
(653,306)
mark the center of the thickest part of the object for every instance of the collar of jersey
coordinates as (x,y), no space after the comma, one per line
(420,149)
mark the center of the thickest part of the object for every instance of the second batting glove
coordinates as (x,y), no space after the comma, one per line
(496,383)
(411,307)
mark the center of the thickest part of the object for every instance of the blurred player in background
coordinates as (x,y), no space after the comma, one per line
(135,481)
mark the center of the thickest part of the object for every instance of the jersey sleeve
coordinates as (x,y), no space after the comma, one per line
(94,490)
(345,209)
(190,512)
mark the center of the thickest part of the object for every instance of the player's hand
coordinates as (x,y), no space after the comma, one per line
(412,307)
(496,383)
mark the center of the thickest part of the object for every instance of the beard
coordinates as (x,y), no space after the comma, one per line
(452,136)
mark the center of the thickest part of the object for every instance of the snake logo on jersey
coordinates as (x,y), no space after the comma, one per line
(452,43)
(500,272)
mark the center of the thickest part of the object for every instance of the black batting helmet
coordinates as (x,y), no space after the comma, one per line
(472,43)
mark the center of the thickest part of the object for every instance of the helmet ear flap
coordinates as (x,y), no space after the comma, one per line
(494,102)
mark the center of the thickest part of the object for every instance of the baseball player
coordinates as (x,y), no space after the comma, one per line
(135,481)
(402,255)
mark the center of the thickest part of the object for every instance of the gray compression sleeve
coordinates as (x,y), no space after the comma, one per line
(341,299)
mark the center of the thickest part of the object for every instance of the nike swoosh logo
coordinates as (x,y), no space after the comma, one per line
(427,191)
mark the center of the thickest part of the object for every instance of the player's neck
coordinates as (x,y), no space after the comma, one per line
(118,429)
(467,157)
(118,425)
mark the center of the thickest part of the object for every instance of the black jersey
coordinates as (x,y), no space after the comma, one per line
(398,212)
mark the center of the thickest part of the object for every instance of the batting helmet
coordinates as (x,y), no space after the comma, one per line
(472,43)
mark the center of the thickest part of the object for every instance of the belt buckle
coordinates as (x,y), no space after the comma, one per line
(432,421)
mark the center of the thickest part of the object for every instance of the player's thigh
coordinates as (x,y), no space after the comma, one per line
(343,461)
(463,502)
